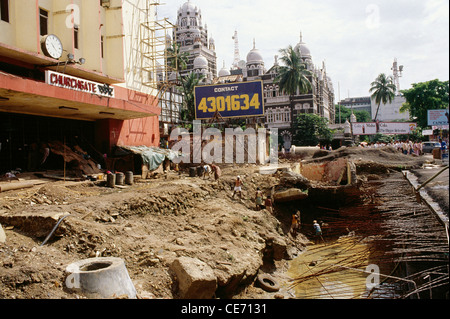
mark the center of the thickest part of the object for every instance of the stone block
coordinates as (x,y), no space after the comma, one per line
(196,280)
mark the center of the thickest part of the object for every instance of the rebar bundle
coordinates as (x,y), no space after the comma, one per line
(390,230)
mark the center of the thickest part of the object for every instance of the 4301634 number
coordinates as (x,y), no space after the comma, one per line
(229,103)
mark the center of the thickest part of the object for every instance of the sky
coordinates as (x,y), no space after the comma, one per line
(357,39)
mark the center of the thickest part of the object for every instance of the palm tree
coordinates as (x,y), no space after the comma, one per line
(383,89)
(188,84)
(176,60)
(293,75)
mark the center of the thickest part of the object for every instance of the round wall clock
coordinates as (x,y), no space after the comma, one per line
(51,46)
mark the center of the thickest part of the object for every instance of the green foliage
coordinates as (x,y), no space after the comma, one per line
(175,59)
(424,96)
(293,75)
(188,84)
(383,91)
(361,116)
(310,129)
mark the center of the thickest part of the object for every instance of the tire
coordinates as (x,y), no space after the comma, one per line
(268,283)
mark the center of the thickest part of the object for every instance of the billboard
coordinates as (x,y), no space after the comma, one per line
(437,117)
(244,99)
(387,128)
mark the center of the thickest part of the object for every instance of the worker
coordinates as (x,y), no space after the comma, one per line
(238,187)
(217,171)
(294,225)
(258,199)
(207,171)
(317,231)
(269,205)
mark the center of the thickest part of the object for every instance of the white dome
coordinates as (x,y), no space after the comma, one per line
(255,56)
(200,62)
(188,7)
(224,72)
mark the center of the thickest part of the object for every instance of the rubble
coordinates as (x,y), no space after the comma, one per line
(151,224)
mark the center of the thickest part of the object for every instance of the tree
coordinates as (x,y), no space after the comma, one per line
(188,84)
(175,59)
(310,129)
(383,90)
(293,75)
(361,116)
(424,96)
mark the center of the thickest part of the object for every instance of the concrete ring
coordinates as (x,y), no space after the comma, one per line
(268,283)
(105,277)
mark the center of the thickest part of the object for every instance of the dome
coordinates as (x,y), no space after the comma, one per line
(302,48)
(188,7)
(224,72)
(200,62)
(255,56)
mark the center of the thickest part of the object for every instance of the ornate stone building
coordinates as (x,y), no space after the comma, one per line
(193,38)
(281,111)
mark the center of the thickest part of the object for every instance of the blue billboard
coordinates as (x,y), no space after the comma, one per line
(244,99)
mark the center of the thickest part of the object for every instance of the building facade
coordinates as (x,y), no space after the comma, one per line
(193,39)
(70,74)
(282,110)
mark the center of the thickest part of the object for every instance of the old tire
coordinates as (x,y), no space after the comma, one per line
(268,283)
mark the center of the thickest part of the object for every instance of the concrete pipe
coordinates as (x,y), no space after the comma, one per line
(105,277)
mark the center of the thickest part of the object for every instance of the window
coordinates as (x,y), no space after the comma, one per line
(75,37)
(103,46)
(43,21)
(4,10)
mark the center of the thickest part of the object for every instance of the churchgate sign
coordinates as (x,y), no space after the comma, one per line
(244,99)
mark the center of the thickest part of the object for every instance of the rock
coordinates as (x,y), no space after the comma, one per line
(196,280)
(2,235)
(279,248)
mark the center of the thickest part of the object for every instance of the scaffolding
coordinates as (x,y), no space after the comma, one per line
(155,40)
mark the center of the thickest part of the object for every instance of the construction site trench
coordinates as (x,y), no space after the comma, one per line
(369,217)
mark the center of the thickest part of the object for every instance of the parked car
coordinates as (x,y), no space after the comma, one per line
(428,147)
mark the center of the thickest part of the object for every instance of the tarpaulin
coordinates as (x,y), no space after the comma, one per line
(153,157)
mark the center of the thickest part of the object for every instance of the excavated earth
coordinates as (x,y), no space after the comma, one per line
(155,221)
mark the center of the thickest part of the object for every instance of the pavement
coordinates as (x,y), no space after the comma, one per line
(436,193)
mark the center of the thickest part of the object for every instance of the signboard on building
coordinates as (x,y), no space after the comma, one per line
(78,84)
(387,128)
(437,117)
(244,99)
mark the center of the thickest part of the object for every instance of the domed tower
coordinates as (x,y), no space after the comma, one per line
(192,37)
(305,53)
(255,64)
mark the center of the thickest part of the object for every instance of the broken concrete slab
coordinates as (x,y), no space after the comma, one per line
(196,280)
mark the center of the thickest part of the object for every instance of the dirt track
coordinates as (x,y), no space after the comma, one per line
(153,222)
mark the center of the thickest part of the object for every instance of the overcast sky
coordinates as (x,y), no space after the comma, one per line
(357,39)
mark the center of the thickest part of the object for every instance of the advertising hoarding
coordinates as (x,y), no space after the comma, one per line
(245,99)
(437,117)
(387,128)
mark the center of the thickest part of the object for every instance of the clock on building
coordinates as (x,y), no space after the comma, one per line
(51,46)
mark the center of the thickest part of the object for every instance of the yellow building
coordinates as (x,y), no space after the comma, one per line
(69,68)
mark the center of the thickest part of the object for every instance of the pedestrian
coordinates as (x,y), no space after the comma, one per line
(238,187)
(258,199)
(317,232)
(269,205)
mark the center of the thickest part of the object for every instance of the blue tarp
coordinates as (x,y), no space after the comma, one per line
(153,157)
